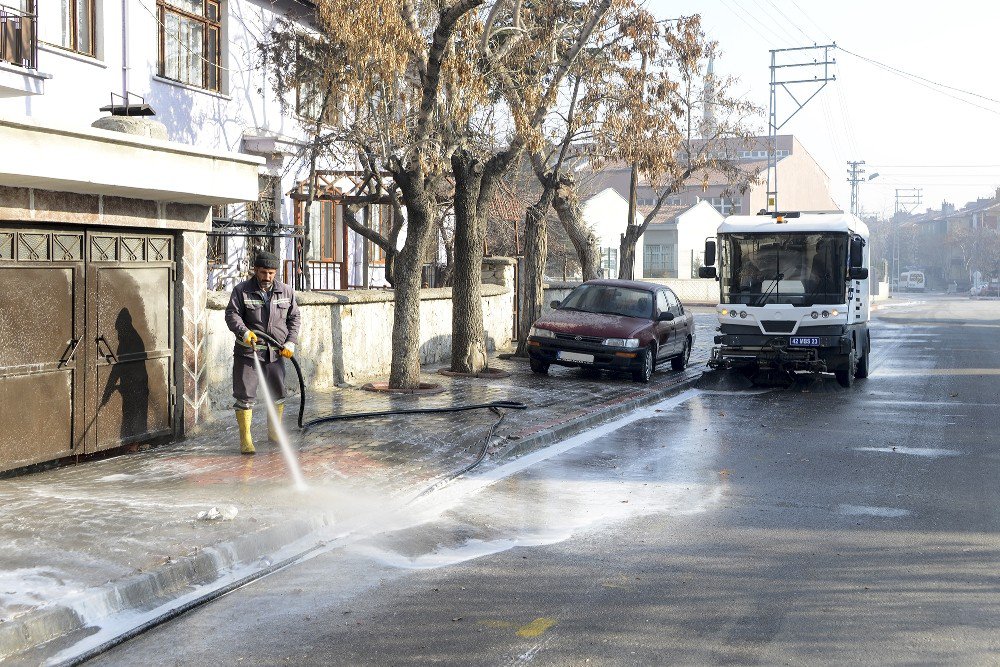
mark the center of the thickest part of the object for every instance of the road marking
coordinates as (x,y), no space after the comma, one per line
(861,510)
(536,627)
(929,452)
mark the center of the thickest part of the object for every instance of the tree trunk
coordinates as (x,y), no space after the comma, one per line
(405,371)
(468,335)
(567,206)
(535,256)
(626,252)
(447,276)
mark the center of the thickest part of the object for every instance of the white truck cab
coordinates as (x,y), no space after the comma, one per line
(793,293)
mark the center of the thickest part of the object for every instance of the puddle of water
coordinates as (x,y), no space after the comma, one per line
(884,512)
(929,452)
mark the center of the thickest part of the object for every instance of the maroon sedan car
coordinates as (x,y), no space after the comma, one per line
(616,325)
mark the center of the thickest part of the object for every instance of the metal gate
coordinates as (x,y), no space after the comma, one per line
(86,342)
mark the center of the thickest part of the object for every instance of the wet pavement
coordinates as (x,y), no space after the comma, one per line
(803,524)
(73,535)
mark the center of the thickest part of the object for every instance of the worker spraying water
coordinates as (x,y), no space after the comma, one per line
(266,305)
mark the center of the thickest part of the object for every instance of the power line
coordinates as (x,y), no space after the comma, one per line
(917,76)
(774,35)
(790,21)
(777,24)
(818,27)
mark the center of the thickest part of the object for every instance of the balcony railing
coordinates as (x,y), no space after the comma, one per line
(18,38)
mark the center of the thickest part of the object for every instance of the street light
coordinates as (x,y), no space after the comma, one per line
(873,176)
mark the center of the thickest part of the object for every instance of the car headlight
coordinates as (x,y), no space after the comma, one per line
(541,333)
(621,342)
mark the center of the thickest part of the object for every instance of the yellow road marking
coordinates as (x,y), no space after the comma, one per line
(536,627)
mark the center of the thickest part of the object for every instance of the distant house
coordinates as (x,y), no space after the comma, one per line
(606,213)
(675,240)
(802,183)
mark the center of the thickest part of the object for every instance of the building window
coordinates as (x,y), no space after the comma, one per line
(659,260)
(379,219)
(674,200)
(609,262)
(312,89)
(77,26)
(191,42)
(726,206)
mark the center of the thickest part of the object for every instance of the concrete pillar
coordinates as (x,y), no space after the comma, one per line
(192,272)
(499,271)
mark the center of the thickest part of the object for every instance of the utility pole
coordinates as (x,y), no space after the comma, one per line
(798,78)
(907,199)
(854,174)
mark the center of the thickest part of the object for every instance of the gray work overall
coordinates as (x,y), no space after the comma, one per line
(275,314)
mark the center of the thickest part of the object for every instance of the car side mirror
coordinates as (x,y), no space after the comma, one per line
(857,273)
(555,304)
(706,272)
(665,317)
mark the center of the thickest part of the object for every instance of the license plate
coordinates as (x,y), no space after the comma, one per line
(577,357)
(809,342)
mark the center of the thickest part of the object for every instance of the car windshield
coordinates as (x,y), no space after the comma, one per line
(610,300)
(795,268)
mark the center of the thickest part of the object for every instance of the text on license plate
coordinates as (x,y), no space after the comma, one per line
(576,356)
(804,341)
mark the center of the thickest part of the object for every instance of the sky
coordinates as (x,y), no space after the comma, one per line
(913,132)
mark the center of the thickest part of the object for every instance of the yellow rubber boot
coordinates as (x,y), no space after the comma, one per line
(272,431)
(246,442)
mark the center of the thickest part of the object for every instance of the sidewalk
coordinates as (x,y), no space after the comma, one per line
(85,542)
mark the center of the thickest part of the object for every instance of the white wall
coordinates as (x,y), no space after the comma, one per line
(693,227)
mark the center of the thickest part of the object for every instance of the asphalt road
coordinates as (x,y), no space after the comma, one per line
(810,524)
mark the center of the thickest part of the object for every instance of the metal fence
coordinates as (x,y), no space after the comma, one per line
(18,38)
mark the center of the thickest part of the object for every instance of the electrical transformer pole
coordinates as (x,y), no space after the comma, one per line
(854,177)
(907,199)
(797,78)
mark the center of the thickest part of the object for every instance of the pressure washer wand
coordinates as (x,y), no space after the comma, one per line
(298,371)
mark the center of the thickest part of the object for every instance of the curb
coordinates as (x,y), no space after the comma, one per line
(27,634)
(576,423)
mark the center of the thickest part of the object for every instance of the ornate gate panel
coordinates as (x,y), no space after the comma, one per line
(130,327)
(41,355)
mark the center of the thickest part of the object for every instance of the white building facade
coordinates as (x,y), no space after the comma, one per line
(198,65)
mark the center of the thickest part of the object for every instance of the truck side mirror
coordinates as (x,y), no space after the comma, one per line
(710,253)
(857,273)
(706,272)
(857,252)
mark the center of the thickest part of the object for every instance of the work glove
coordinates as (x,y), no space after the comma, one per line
(288,350)
(250,338)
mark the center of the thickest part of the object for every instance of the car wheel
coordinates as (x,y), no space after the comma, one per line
(681,362)
(645,372)
(539,367)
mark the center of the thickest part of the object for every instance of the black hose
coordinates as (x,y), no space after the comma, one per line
(495,405)
(298,371)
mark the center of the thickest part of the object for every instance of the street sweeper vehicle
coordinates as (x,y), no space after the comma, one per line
(793,294)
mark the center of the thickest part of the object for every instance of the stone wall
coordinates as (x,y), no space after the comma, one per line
(346,337)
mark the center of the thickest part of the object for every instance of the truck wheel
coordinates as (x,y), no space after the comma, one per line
(539,367)
(845,377)
(645,372)
(681,362)
(861,372)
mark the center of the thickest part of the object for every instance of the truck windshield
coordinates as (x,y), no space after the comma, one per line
(795,268)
